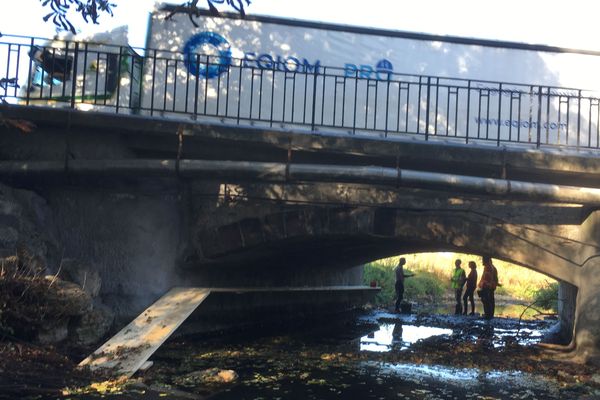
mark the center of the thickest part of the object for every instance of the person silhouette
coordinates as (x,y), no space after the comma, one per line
(400,275)
(470,288)
(487,286)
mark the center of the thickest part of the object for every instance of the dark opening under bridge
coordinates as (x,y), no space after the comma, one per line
(155,192)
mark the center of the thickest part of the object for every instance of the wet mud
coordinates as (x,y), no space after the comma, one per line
(368,355)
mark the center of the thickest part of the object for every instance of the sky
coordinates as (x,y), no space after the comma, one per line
(572,24)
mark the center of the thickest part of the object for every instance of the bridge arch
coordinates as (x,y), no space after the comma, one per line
(330,239)
(367,234)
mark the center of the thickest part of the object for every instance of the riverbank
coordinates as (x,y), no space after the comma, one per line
(372,354)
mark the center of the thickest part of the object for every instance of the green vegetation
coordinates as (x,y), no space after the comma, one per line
(432,279)
(546,297)
(423,285)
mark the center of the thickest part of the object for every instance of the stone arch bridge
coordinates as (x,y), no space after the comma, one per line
(158,203)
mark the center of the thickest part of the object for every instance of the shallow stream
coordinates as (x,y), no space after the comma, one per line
(373,355)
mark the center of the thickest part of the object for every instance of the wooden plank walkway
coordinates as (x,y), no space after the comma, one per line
(129,349)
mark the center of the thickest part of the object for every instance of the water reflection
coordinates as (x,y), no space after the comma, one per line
(486,334)
(502,310)
(398,337)
(467,378)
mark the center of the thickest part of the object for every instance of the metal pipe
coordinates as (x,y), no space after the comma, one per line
(276,172)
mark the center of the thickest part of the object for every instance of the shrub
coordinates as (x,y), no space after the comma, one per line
(547,297)
(385,277)
(423,285)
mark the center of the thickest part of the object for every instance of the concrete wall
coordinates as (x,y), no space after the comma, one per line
(131,236)
(567,302)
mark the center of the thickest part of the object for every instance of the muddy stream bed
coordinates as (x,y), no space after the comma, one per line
(373,354)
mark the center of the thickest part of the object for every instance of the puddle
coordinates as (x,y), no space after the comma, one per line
(398,336)
(401,331)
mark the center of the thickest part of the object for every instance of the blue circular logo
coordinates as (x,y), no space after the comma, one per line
(384,66)
(197,64)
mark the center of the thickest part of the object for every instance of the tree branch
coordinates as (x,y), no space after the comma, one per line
(193,11)
(90,10)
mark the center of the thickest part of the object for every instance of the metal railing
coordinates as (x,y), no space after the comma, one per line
(267,92)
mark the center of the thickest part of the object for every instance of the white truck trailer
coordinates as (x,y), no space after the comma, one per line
(283,72)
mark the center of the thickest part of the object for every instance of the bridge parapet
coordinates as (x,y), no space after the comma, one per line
(119,79)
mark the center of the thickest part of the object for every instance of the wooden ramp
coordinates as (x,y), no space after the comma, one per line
(129,349)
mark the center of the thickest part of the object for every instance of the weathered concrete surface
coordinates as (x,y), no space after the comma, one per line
(567,302)
(587,313)
(147,233)
(27,227)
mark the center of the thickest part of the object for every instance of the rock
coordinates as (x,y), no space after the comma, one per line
(67,298)
(83,274)
(207,376)
(54,332)
(27,228)
(92,326)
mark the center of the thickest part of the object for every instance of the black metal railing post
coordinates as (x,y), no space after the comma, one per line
(314,101)
(539,118)
(84,73)
(29,84)
(118,93)
(499,114)
(153,84)
(74,80)
(578,119)
(427,108)
(355,101)
(468,111)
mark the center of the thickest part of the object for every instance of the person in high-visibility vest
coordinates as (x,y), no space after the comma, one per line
(458,281)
